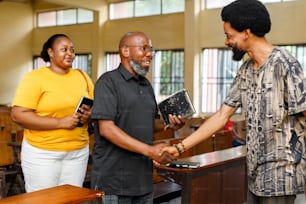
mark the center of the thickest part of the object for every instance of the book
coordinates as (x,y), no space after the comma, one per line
(178,103)
(83,100)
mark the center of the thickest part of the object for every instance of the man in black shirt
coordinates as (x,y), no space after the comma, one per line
(124,112)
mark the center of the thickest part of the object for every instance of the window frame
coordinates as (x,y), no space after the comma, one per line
(38,62)
(133,3)
(213,74)
(56,17)
(223,3)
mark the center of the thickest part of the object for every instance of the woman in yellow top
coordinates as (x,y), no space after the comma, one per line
(54,149)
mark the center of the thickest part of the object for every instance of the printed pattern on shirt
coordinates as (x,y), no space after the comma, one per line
(273,98)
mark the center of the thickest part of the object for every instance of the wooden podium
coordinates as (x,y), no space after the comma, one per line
(221,178)
(65,194)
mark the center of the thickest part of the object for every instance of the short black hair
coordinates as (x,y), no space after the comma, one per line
(49,44)
(244,14)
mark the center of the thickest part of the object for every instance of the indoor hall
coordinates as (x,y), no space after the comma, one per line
(188,39)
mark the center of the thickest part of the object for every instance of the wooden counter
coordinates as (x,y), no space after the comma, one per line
(65,194)
(221,177)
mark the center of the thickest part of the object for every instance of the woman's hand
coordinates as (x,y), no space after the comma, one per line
(28,118)
(84,114)
(68,122)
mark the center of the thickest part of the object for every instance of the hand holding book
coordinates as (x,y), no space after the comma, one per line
(178,104)
(175,122)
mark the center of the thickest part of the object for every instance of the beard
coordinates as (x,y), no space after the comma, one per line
(237,54)
(138,69)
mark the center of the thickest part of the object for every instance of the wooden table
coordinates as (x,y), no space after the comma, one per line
(65,194)
(221,177)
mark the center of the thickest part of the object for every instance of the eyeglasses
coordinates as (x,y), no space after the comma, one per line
(144,48)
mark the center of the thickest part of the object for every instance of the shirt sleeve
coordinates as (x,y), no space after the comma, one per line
(105,99)
(296,88)
(233,98)
(23,96)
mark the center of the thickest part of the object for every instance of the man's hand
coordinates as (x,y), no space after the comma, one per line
(171,150)
(176,122)
(160,157)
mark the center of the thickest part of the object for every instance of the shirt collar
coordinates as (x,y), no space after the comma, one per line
(128,76)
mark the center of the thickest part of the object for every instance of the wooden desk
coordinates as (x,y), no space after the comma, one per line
(65,194)
(220,179)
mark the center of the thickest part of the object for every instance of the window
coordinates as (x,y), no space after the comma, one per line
(112,60)
(298,51)
(64,17)
(168,72)
(147,8)
(85,16)
(136,8)
(81,61)
(217,73)
(46,19)
(172,6)
(121,10)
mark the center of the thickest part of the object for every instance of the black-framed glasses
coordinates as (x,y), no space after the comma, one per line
(144,48)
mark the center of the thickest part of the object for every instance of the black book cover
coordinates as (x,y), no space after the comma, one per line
(178,103)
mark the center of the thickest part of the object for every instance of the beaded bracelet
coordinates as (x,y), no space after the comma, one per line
(178,149)
(183,146)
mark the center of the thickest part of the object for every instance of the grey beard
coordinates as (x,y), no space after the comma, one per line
(138,69)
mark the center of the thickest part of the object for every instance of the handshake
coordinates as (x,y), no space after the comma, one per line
(162,153)
(166,153)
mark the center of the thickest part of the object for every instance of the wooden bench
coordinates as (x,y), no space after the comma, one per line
(57,195)
(2,184)
(10,138)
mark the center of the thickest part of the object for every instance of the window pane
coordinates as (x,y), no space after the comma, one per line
(301,56)
(85,16)
(112,61)
(46,19)
(66,17)
(168,76)
(218,72)
(81,61)
(38,62)
(148,7)
(298,51)
(121,10)
(269,1)
(221,3)
(217,3)
(173,6)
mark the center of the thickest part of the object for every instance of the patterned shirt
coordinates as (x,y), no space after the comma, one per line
(273,98)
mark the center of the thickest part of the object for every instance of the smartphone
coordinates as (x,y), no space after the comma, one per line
(184,164)
(86,101)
